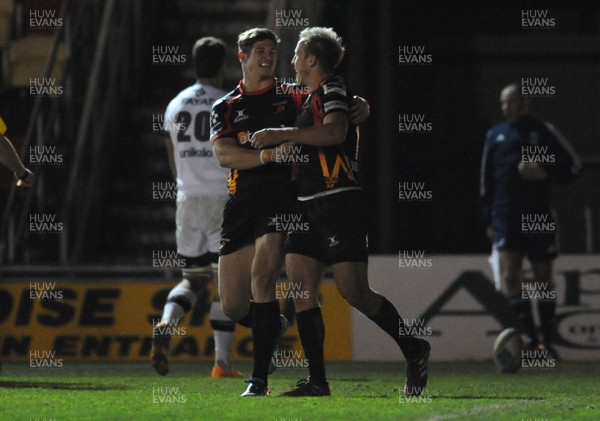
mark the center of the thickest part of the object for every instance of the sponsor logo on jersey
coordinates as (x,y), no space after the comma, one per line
(333,241)
(198,101)
(243,137)
(196,153)
(240,116)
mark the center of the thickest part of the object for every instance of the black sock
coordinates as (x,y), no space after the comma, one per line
(312,335)
(547,312)
(522,309)
(247,319)
(266,326)
(388,319)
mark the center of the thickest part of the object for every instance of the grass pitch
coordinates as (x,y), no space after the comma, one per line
(360,391)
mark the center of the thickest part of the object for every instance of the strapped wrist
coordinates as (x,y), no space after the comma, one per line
(260,156)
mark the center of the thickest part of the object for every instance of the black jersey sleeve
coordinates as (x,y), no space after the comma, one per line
(220,120)
(335,98)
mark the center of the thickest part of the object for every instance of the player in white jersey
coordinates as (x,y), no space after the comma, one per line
(201,196)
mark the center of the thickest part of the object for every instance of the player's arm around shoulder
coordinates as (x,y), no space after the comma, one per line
(231,155)
(360,110)
(331,132)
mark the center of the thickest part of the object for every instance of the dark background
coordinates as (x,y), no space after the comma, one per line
(476,48)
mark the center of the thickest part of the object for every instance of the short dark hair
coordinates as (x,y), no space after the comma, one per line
(247,38)
(208,56)
(325,45)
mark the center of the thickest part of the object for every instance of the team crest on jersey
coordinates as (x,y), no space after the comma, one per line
(240,116)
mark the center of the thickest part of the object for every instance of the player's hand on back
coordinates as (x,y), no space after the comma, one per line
(359,110)
(532,172)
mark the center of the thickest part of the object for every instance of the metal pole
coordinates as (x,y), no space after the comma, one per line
(83,127)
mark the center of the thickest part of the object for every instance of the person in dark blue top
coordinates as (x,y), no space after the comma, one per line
(522,158)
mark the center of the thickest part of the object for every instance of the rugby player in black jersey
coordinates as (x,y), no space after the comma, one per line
(332,203)
(251,253)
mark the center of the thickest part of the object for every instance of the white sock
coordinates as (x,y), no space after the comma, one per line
(223,328)
(173,312)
